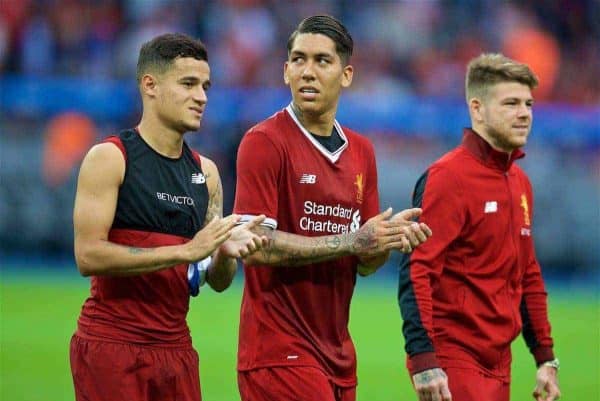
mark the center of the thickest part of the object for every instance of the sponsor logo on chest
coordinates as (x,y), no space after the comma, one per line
(323,218)
(178,199)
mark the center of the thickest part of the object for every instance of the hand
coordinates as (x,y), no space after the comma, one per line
(207,240)
(243,240)
(432,385)
(377,236)
(546,381)
(415,233)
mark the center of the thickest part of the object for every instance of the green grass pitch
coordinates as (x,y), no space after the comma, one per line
(38,316)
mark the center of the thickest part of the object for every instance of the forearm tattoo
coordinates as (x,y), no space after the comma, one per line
(285,249)
(134,250)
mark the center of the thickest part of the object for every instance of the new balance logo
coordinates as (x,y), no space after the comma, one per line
(308,179)
(491,207)
(198,178)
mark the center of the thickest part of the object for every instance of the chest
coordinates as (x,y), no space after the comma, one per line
(309,175)
(498,204)
(162,195)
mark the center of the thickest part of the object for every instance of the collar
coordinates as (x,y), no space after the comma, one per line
(332,156)
(488,155)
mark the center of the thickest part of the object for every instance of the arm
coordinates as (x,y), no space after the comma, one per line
(439,195)
(377,236)
(536,325)
(243,240)
(102,172)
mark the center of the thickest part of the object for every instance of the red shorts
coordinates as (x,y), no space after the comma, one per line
(298,383)
(472,385)
(105,371)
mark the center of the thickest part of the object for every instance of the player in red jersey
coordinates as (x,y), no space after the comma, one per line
(149,230)
(468,292)
(316,182)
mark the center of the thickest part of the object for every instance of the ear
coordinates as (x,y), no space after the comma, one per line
(347,75)
(476,108)
(286,79)
(148,85)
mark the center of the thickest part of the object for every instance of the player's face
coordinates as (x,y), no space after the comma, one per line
(181,94)
(315,74)
(506,114)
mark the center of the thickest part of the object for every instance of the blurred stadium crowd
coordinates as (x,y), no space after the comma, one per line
(410,59)
(418,47)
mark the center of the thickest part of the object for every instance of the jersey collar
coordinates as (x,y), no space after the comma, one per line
(488,155)
(332,156)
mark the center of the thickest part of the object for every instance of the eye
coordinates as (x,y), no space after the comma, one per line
(187,84)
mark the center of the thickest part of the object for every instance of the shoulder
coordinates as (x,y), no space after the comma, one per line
(104,162)
(211,172)
(447,170)
(452,160)
(273,128)
(105,153)
(359,141)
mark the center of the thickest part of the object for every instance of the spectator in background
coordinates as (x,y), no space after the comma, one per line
(316,182)
(467,293)
(148,230)
(68,138)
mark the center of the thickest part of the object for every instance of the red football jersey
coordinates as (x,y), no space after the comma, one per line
(299,315)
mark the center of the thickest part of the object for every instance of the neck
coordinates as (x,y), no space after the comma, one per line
(482,132)
(164,140)
(318,124)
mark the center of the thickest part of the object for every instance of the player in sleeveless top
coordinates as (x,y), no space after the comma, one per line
(149,231)
(316,183)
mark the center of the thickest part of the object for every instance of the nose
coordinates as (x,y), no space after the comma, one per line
(524,111)
(308,71)
(200,95)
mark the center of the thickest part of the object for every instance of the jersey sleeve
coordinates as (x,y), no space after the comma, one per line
(258,170)
(437,192)
(534,307)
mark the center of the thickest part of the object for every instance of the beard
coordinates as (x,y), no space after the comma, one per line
(505,141)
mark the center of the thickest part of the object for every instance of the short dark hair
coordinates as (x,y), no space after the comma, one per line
(489,69)
(330,27)
(159,53)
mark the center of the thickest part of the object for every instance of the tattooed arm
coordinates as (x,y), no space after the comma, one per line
(432,385)
(377,236)
(100,177)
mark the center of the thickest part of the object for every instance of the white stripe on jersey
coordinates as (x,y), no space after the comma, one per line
(269,222)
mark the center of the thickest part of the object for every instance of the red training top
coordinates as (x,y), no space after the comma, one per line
(467,292)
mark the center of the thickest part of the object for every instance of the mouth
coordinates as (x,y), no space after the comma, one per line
(197,110)
(308,92)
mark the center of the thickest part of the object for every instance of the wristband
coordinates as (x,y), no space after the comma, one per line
(553,363)
(196,275)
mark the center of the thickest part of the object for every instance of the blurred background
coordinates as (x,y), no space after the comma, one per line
(68,80)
